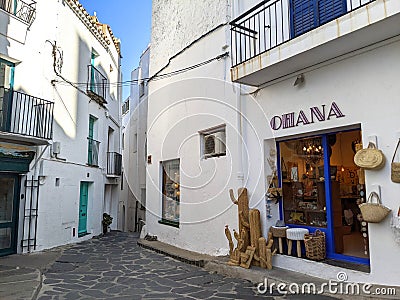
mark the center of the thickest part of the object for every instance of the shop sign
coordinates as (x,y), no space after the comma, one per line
(314,114)
(16,151)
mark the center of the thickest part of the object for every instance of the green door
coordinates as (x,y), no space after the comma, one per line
(90,139)
(9,196)
(83,202)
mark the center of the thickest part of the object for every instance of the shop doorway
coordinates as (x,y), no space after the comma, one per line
(9,195)
(351,232)
(313,165)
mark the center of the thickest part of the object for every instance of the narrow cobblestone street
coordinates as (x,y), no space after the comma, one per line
(115,267)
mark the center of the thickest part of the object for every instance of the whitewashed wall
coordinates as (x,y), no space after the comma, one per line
(59,206)
(176,24)
(364,86)
(364,99)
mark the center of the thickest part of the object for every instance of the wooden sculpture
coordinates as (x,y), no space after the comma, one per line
(251,247)
(262,245)
(247,257)
(255,231)
(243,215)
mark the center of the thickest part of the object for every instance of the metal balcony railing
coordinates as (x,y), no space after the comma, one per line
(25,115)
(93,152)
(272,23)
(96,85)
(23,10)
(114,163)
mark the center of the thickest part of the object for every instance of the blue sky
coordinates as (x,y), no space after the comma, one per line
(130,20)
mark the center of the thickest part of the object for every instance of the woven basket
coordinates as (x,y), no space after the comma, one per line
(395,166)
(279,231)
(315,245)
(369,158)
(374,212)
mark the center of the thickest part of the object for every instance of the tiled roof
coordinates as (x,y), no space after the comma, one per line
(98,29)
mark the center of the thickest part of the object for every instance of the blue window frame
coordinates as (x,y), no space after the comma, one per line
(330,226)
(306,15)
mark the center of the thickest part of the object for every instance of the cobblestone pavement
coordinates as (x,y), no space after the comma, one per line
(114,267)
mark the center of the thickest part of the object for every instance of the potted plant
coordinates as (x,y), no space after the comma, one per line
(107,220)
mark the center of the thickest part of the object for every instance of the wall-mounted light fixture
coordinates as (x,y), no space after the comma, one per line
(299,80)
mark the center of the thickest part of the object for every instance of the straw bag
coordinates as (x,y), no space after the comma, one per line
(315,245)
(374,212)
(395,167)
(369,158)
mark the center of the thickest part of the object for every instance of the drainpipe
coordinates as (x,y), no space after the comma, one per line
(239,117)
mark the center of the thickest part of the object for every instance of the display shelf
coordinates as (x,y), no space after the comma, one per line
(309,217)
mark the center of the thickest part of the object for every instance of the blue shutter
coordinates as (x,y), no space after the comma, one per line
(306,15)
(330,9)
(302,16)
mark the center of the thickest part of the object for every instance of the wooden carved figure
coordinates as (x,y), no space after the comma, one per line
(243,215)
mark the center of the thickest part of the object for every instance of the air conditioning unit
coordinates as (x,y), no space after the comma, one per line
(214,144)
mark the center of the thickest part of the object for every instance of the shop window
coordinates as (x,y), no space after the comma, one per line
(313,201)
(302,165)
(213,142)
(170,192)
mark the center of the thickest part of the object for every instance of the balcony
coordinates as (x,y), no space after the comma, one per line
(24,117)
(280,37)
(114,164)
(93,152)
(25,11)
(96,85)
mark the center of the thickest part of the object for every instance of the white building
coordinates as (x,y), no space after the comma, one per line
(134,130)
(308,86)
(60,158)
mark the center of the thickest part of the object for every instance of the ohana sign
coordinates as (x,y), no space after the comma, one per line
(315,113)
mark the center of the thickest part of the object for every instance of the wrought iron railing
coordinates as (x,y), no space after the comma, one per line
(96,85)
(274,22)
(114,163)
(93,152)
(25,11)
(25,115)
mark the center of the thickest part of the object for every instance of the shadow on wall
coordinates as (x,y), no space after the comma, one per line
(4,25)
(71,100)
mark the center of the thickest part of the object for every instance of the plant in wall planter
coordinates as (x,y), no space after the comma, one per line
(107,220)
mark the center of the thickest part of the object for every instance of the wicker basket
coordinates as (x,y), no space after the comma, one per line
(369,158)
(315,245)
(374,212)
(279,231)
(395,166)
